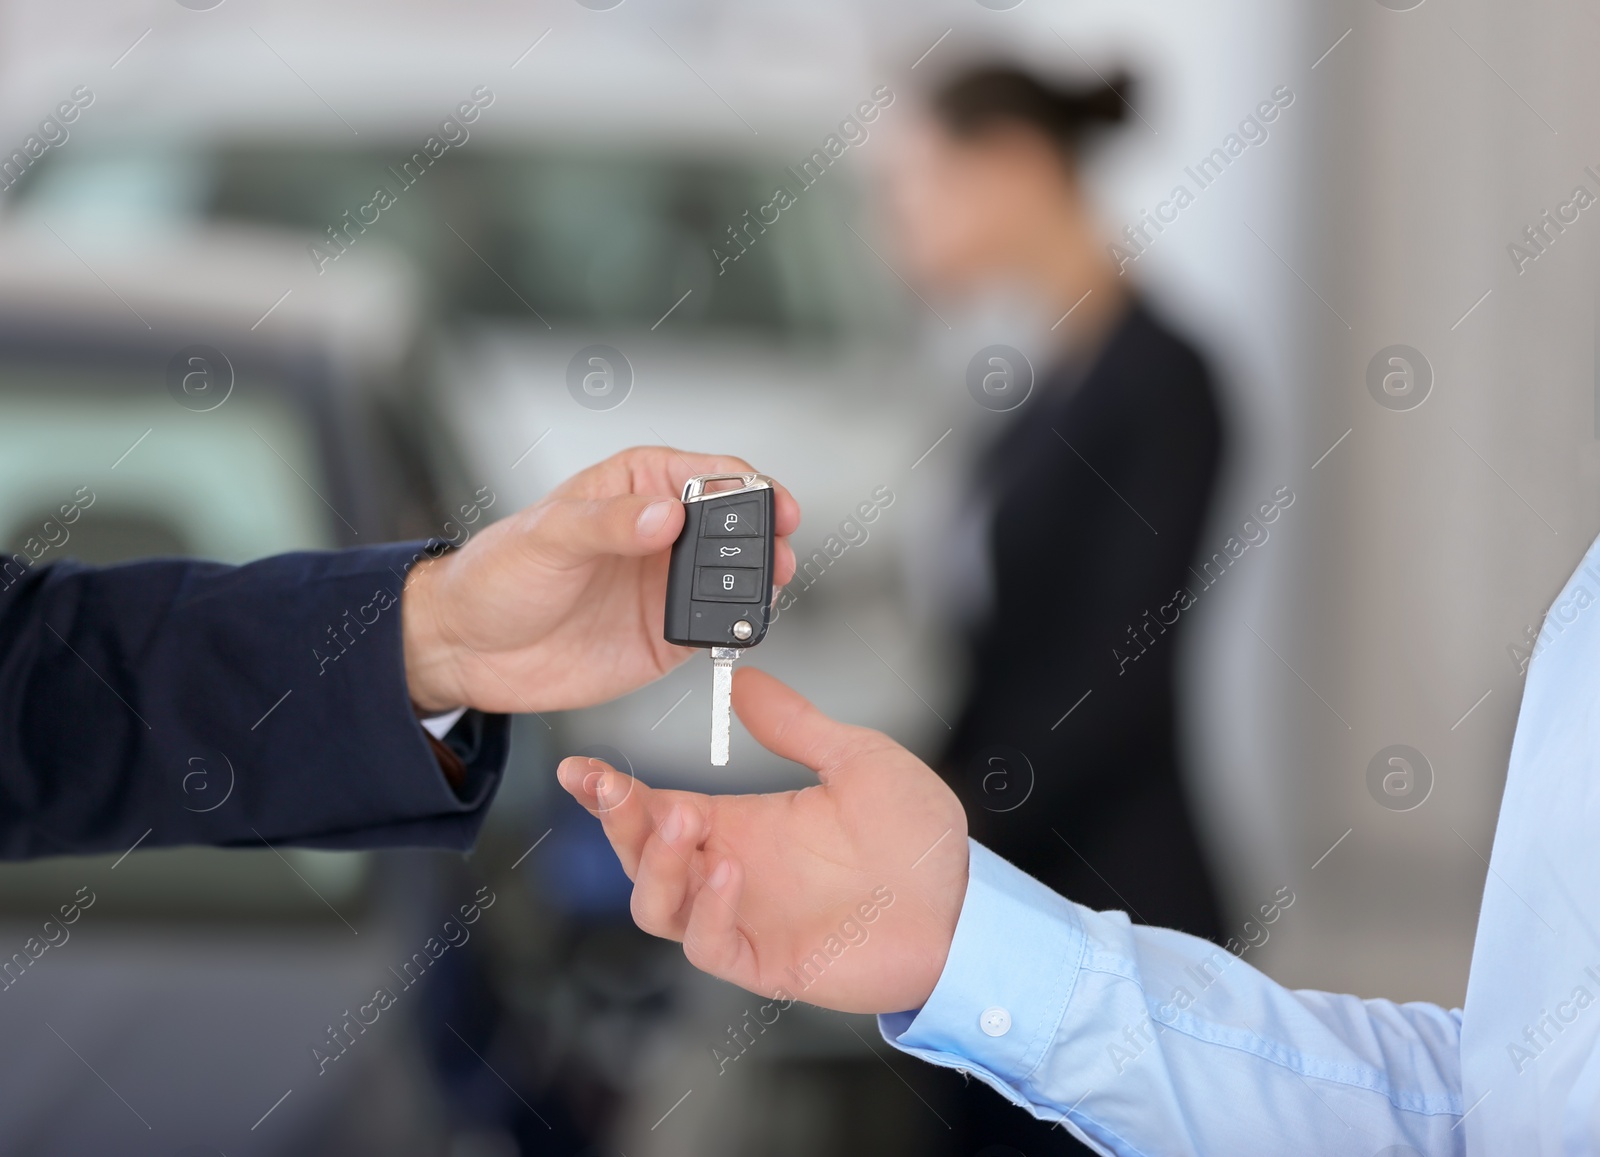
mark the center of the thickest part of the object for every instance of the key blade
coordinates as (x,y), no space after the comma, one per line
(721,702)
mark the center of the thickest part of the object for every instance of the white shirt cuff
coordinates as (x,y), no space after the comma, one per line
(439,726)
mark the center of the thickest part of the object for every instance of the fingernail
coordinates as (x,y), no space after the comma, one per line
(672,826)
(654,516)
(719,876)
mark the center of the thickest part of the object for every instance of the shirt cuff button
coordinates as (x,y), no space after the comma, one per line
(995,1021)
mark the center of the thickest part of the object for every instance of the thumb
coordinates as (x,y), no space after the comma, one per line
(785,723)
(573,531)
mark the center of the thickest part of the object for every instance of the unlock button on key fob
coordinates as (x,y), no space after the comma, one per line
(728,519)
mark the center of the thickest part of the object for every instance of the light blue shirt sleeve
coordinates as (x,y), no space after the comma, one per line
(1146,1041)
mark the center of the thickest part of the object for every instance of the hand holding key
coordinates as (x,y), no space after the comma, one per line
(559,606)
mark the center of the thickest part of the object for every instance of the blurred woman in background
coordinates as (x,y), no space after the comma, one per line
(1088,502)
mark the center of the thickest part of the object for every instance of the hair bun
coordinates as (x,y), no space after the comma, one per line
(981,98)
(1105,103)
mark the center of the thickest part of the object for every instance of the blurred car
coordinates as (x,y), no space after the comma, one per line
(537,245)
(563,224)
(155,391)
(151,404)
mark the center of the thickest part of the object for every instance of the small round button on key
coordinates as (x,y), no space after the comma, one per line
(742,630)
(995,1021)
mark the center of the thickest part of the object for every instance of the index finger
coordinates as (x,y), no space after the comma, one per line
(628,810)
(620,802)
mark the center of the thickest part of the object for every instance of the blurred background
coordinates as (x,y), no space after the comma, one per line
(209,342)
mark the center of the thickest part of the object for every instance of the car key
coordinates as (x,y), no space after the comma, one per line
(719,581)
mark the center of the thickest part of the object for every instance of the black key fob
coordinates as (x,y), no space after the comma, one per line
(719,582)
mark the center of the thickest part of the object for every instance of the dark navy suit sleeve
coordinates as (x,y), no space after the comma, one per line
(210,704)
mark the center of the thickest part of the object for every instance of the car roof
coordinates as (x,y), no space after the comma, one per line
(253,282)
(674,81)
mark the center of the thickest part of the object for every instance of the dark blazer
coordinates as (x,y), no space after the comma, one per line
(1099,487)
(212,704)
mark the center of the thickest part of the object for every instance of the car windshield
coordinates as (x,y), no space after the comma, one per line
(232,484)
(570,237)
(96,466)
